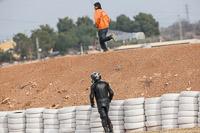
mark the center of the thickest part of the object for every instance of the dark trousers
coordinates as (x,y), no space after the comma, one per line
(103,38)
(103,109)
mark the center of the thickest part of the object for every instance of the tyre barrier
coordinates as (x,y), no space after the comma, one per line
(67,119)
(34,120)
(4,122)
(116,114)
(83,115)
(134,116)
(51,121)
(153,114)
(188,109)
(17,121)
(170,111)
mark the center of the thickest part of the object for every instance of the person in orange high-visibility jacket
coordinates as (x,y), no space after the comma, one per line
(102,23)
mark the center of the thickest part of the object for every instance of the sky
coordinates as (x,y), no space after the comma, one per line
(26,15)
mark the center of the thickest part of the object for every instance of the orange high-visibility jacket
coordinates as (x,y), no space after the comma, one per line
(101,19)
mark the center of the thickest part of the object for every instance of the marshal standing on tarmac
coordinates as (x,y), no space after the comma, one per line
(100,90)
(102,21)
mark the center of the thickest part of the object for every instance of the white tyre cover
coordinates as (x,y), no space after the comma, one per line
(16,126)
(134,119)
(169,127)
(67,110)
(116,108)
(4,125)
(152,112)
(117,103)
(34,130)
(188,107)
(83,108)
(82,122)
(135,107)
(171,116)
(169,122)
(39,115)
(51,126)
(169,104)
(187,113)
(154,128)
(82,131)
(167,111)
(116,113)
(94,130)
(116,118)
(95,115)
(50,116)
(154,118)
(51,131)
(170,97)
(3,130)
(17,115)
(115,123)
(71,125)
(121,127)
(199,120)
(66,116)
(153,123)
(189,94)
(134,112)
(134,101)
(17,131)
(50,111)
(84,127)
(51,122)
(95,119)
(152,106)
(188,125)
(68,121)
(82,117)
(134,126)
(3,119)
(35,126)
(155,100)
(187,120)
(34,110)
(67,130)
(83,112)
(136,130)
(16,121)
(34,120)
(188,100)
(3,114)
(95,125)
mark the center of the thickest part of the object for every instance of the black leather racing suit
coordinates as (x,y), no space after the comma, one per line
(100,91)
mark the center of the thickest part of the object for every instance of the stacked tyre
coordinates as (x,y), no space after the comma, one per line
(116,114)
(67,118)
(199,109)
(83,114)
(134,120)
(17,122)
(153,114)
(169,111)
(51,121)
(95,122)
(188,109)
(34,120)
(3,122)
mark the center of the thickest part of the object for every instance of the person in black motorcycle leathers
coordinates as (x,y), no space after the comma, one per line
(100,91)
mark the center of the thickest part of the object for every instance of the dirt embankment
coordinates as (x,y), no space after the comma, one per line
(66,81)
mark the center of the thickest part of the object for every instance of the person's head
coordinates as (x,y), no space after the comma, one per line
(97,5)
(95,77)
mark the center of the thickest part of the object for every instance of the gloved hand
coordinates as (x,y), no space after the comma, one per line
(92,105)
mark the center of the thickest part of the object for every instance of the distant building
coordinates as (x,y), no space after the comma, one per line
(121,36)
(7,45)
